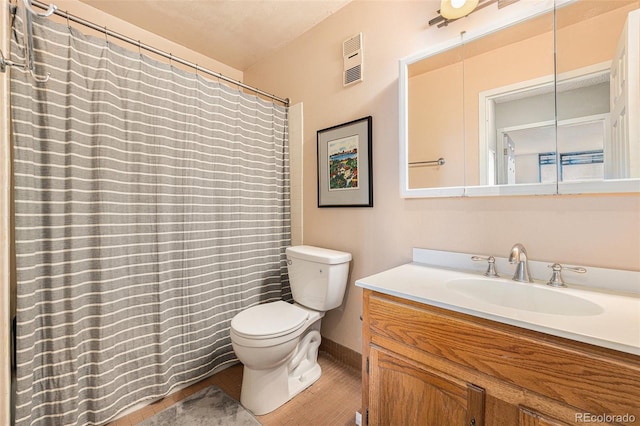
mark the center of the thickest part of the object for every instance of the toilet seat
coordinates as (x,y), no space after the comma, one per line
(269,320)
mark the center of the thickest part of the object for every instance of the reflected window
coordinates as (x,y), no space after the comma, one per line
(578,166)
(574,166)
(547,167)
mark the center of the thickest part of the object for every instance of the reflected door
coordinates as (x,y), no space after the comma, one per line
(622,162)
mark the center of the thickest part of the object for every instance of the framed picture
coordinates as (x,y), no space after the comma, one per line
(345,174)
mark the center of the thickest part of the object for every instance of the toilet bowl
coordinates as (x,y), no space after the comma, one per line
(278,341)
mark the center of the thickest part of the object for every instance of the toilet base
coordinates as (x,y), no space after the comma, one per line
(265,390)
(298,384)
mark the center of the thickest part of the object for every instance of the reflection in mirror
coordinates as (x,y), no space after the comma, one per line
(487,107)
(510,106)
(435,117)
(520,122)
(598,92)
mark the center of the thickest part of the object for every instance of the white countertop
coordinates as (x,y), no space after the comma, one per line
(615,326)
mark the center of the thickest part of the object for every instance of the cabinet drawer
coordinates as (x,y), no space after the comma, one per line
(557,368)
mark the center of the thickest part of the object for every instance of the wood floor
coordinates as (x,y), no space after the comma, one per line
(332,400)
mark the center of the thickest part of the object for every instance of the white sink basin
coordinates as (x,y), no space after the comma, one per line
(604,318)
(524,296)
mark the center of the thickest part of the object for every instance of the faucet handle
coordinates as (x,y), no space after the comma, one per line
(491,268)
(556,276)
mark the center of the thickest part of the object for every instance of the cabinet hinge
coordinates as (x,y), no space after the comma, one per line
(367,366)
(366,416)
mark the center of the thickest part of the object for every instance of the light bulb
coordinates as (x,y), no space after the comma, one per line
(454,9)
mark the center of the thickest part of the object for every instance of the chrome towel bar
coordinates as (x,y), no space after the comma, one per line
(439,162)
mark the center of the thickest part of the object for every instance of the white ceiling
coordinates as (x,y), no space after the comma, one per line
(237,33)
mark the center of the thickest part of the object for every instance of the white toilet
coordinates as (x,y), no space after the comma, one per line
(278,342)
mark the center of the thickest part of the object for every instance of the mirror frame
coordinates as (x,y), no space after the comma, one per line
(556,188)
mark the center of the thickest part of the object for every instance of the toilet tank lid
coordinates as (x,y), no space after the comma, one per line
(318,254)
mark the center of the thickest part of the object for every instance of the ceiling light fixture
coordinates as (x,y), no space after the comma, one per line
(454,9)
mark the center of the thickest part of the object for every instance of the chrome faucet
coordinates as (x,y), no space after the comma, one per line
(519,257)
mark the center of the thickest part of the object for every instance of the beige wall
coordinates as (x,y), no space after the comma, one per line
(296,135)
(600,231)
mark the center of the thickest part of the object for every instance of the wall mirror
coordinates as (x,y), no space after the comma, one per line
(494,113)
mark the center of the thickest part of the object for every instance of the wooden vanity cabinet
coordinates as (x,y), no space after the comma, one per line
(424,365)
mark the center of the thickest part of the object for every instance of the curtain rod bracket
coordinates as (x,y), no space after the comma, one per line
(4,63)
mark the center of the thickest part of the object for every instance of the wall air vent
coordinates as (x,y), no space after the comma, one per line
(352,54)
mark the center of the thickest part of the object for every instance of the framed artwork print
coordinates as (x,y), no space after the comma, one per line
(345,174)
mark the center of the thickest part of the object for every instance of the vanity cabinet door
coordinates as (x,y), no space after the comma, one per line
(403,392)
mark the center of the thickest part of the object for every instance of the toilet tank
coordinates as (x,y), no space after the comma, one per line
(318,276)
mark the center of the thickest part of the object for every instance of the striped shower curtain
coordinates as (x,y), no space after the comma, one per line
(151,205)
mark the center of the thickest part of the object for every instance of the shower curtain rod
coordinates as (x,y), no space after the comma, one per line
(198,68)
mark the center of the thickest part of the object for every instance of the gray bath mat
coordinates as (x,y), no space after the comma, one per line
(210,406)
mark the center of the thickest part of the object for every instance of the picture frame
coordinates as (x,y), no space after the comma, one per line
(345,166)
